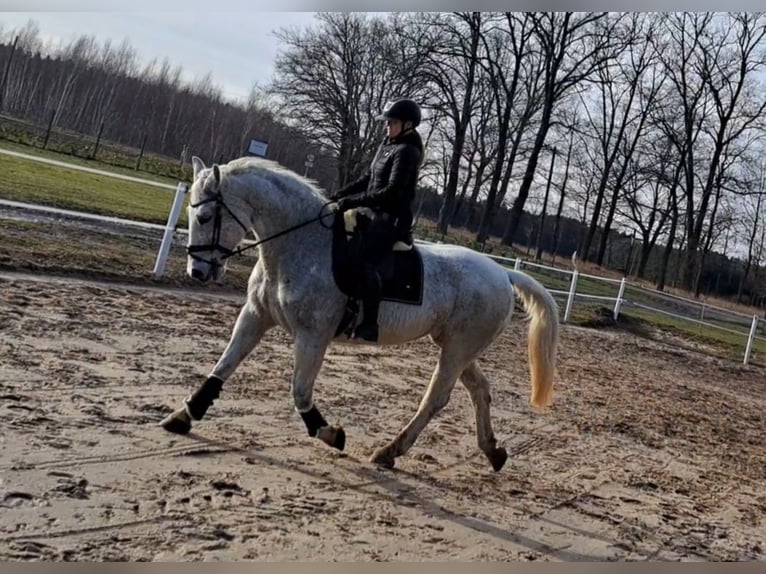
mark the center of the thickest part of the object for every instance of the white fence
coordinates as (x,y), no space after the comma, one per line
(564,284)
(630,295)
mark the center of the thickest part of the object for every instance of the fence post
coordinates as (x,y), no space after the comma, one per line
(618,302)
(98,141)
(572,291)
(141,153)
(751,338)
(50,127)
(517,264)
(167,238)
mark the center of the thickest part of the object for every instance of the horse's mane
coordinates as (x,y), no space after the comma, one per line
(243,165)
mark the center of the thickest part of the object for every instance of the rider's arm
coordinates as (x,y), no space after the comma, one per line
(355,186)
(405,162)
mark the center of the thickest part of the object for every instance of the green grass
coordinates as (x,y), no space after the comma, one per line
(34,182)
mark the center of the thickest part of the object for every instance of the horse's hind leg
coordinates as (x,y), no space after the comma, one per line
(478,388)
(250,327)
(437,395)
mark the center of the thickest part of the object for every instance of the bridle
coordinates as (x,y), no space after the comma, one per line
(215,245)
(215,241)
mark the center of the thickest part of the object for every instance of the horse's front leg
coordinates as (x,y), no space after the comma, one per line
(250,327)
(309,353)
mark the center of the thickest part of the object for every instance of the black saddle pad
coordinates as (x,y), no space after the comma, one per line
(401,273)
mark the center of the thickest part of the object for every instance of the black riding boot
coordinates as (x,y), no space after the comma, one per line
(368,328)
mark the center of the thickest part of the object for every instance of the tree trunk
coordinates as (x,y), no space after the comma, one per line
(448,204)
(541,230)
(663,271)
(562,195)
(517,210)
(487,214)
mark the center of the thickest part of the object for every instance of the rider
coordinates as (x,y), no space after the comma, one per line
(387,191)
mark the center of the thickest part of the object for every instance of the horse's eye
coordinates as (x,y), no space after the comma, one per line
(203,219)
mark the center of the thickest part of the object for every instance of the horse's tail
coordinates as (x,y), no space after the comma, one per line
(543,335)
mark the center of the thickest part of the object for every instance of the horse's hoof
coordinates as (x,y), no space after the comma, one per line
(383,457)
(497,457)
(178,422)
(332,436)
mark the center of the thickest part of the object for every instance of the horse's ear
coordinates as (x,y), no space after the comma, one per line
(197,166)
(217,173)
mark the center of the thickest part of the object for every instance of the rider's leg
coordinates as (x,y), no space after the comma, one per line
(377,244)
(373,287)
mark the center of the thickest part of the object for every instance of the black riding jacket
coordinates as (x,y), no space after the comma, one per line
(389,185)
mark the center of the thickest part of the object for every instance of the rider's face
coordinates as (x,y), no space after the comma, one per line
(393,127)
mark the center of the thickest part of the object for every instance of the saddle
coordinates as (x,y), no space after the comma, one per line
(401,271)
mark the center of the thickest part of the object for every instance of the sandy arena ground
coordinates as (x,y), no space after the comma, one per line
(649,453)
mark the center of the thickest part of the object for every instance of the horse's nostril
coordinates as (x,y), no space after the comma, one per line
(198,275)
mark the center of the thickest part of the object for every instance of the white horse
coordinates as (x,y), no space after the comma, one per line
(467,301)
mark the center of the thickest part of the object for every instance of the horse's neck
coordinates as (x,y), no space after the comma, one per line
(271,217)
(298,248)
(298,251)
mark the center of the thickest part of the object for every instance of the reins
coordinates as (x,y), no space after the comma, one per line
(218,199)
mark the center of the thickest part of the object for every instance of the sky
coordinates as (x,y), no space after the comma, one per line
(237,48)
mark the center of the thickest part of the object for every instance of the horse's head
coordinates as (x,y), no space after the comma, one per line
(217,222)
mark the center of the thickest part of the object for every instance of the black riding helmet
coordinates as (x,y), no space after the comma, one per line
(404,110)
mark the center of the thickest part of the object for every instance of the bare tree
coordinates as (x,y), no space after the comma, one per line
(712,70)
(562,189)
(333,80)
(481,150)
(627,87)
(583,177)
(450,65)
(650,192)
(572,47)
(514,71)
(753,225)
